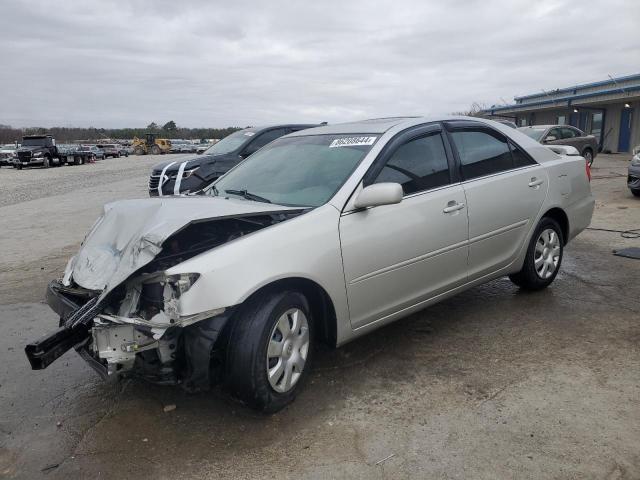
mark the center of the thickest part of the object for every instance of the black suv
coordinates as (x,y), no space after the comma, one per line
(187,176)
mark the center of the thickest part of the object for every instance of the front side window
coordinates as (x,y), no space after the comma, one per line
(481,152)
(296,171)
(262,140)
(535,133)
(420,164)
(554,132)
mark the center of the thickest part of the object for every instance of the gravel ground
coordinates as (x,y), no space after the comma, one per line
(29,184)
(494,383)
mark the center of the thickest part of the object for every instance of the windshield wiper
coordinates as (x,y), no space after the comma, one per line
(248,195)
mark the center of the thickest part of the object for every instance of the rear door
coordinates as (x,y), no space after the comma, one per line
(504,188)
(396,256)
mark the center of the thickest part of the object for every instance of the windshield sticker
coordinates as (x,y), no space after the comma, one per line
(249,134)
(352,141)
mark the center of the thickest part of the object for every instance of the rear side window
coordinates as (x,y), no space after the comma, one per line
(569,133)
(481,153)
(419,164)
(520,159)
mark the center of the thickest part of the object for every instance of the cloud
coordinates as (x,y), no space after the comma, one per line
(112,63)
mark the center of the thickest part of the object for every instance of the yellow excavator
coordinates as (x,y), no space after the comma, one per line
(150,145)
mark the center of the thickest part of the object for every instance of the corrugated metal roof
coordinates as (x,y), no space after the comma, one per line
(635,76)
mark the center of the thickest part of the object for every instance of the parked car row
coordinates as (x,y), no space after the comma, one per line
(183,146)
(317,236)
(41,150)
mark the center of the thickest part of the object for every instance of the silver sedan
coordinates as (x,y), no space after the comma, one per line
(321,236)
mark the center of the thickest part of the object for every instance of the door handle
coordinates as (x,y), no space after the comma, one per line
(453,206)
(534,183)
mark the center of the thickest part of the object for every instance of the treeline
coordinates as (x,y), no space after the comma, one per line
(9,134)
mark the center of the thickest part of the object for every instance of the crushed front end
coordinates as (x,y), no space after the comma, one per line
(121,310)
(136,330)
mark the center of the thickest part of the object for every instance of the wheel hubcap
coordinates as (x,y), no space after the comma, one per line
(547,253)
(287,350)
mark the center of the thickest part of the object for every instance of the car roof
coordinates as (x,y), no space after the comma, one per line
(280,125)
(544,127)
(372,125)
(383,125)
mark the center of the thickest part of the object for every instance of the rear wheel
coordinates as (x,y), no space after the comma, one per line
(544,256)
(270,350)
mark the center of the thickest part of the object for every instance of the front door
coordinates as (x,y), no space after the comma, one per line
(625,129)
(396,256)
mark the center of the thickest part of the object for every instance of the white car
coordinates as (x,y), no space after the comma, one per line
(321,236)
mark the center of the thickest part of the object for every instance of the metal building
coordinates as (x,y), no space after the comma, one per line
(609,110)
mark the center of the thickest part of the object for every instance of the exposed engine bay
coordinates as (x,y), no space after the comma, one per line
(138,327)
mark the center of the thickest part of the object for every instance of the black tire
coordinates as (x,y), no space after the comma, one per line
(155,150)
(46,162)
(528,278)
(19,166)
(138,151)
(246,362)
(635,193)
(588,156)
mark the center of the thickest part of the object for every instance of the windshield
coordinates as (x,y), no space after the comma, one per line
(33,142)
(297,171)
(230,143)
(535,133)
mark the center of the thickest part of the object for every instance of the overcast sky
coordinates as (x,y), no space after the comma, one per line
(205,63)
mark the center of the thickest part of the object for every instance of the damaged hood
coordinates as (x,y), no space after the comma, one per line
(130,234)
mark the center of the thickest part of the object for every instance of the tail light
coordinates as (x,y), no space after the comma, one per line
(588,168)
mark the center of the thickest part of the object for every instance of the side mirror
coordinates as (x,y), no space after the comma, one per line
(379,194)
(550,138)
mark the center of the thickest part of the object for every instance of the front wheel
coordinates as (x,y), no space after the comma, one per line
(544,256)
(636,193)
(270,350)
(588,156)
(155,150)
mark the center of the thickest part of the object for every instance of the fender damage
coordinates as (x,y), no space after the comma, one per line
(122,312)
